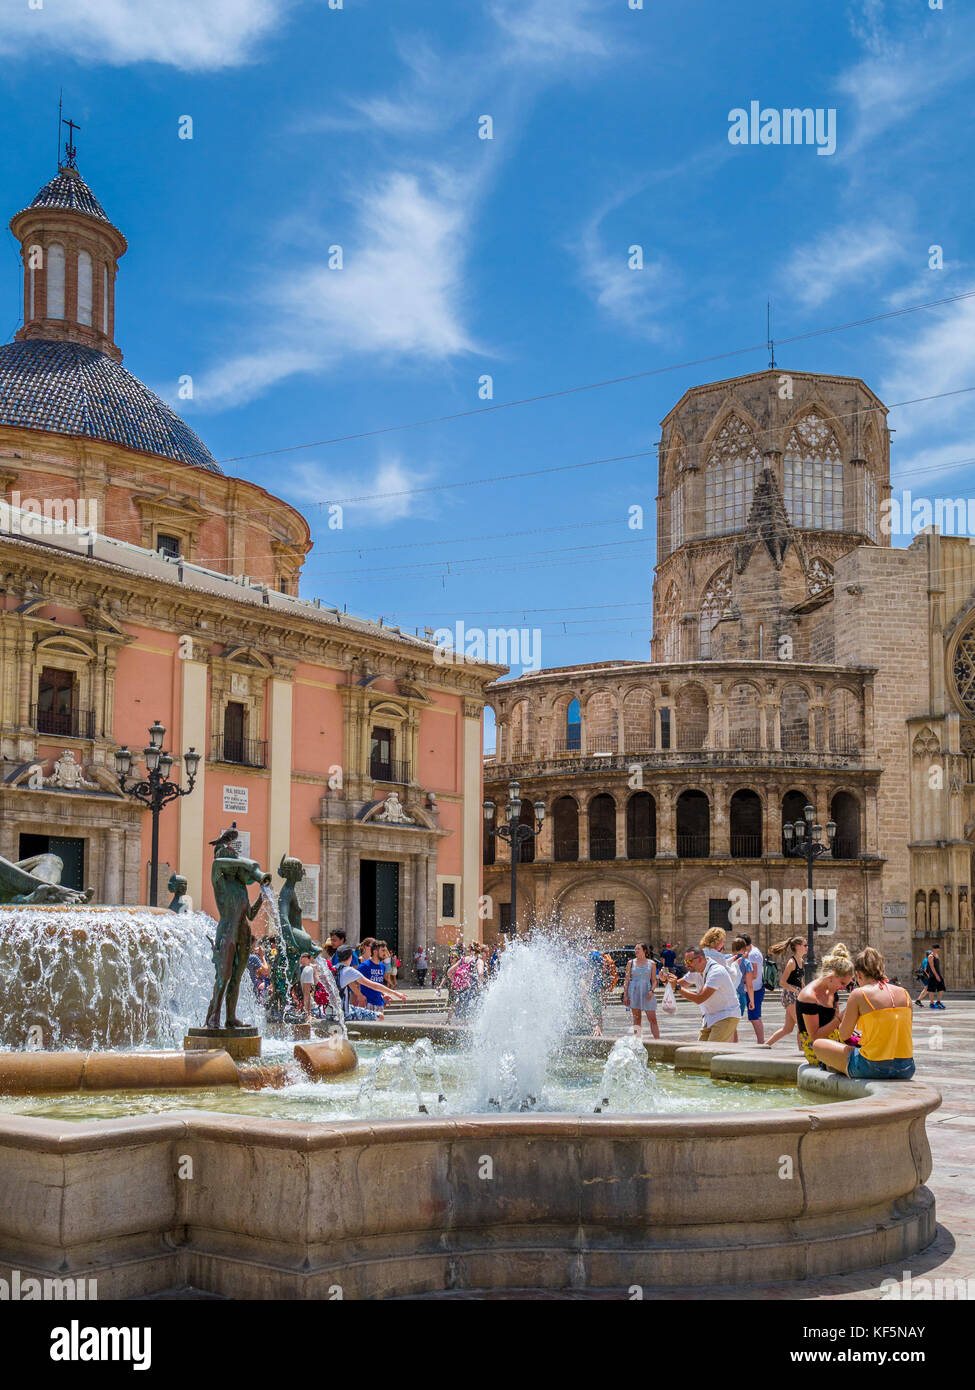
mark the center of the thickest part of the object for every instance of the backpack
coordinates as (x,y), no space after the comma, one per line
(770,974)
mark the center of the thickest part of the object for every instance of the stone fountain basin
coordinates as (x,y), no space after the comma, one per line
(255,1208)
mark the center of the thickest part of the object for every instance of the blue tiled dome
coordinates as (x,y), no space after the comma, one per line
(70,191)
(70,389)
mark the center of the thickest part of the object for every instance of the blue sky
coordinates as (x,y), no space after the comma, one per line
(315,127)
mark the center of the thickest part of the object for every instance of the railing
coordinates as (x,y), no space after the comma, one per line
(565,747)
(244,752)
(746,846)
(745,738)
(691,737)
(565,851)
(641,847)
(693,846)
(602,845)
(795,741)
(76,723)
(844,743)
(846,848)
(500,769)
(389,770)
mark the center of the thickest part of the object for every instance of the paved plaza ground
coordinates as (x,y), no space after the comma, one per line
(944,1045)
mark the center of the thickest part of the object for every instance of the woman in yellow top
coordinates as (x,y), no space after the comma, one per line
(882,1014)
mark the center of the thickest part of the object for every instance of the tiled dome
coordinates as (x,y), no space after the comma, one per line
(70,389)
(70,191)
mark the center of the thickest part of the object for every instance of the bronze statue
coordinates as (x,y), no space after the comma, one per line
(18,885)
(177,886)
(296,939)
(230,876)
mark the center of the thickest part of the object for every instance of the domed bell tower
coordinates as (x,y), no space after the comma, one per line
(70,253)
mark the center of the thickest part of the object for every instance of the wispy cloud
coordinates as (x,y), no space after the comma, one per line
(319,484)
(542,31)
(854,254)
(184,34)
(400,291)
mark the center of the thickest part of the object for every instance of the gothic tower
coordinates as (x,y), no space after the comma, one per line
(764,481)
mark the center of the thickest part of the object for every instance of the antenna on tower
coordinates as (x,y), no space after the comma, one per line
(768,333)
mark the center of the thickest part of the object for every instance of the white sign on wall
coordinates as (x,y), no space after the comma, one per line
(307,891)
(235,799)
(244,843)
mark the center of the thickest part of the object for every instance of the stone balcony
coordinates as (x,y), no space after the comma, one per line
(565,763)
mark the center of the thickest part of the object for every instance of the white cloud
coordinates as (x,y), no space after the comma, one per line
(936,355)
(400,291)
(314,482)
(850,255)
(195,35)
(632,297)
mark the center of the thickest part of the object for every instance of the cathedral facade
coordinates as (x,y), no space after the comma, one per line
(797,658)
(140,583)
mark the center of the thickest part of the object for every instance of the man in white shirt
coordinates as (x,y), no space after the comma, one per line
(717,996)
(758,989)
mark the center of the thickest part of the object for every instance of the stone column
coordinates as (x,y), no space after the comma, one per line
(719,798)
(352,896)
(112,872)
(193,733)
(772,839)
(280,693)
(621,799)
(666,821)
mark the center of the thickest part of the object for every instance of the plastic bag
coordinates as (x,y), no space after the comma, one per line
(669,1004)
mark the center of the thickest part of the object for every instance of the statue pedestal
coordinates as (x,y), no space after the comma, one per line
(242,1043)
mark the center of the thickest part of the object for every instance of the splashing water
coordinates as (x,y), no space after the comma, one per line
(97,977)
(392,1066)
(627,1082)
(423,1055)
(522,1021)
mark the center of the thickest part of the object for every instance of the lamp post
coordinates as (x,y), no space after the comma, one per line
(155,789)
(804,840)
(516,833)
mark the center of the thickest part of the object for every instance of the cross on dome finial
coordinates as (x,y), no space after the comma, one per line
(70,149)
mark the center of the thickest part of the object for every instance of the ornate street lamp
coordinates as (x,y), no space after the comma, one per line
(804,840)
(516,833)
(155,789)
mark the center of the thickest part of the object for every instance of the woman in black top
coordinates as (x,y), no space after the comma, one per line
(816,1009)
(791,982)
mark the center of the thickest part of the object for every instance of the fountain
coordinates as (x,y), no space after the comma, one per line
(627,1082)
(516,1184)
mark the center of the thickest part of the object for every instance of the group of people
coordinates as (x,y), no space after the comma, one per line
(364,978)
(870,1038)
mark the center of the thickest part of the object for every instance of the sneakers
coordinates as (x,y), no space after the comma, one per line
(932,1006)
(939,1005)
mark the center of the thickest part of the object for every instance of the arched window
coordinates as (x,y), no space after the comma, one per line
(670,626)
(844,810)
(693,825)
(601,726)
(573,725)
(844,721)
(565,830)
(55,281)
(794,804)
(526,849)
(794,719)
(602,827)
(519,727)
(84,287)
(678,464)
(715,604)
(641,826)
(638,721)
(692,717)
(746,825)
(733,469)
(813,474)
(105,299)
(744,717)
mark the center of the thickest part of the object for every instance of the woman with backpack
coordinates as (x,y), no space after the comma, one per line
(791,980)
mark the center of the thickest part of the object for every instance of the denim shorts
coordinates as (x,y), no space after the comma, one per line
(895,1069)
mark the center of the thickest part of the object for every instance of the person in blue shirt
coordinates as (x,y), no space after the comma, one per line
(669,956)
(373,969)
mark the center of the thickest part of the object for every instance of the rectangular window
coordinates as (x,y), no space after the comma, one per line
(168,545)
(665,727)
(718,909)
(505,919)
(381,755)
(605,914)
(449,900)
